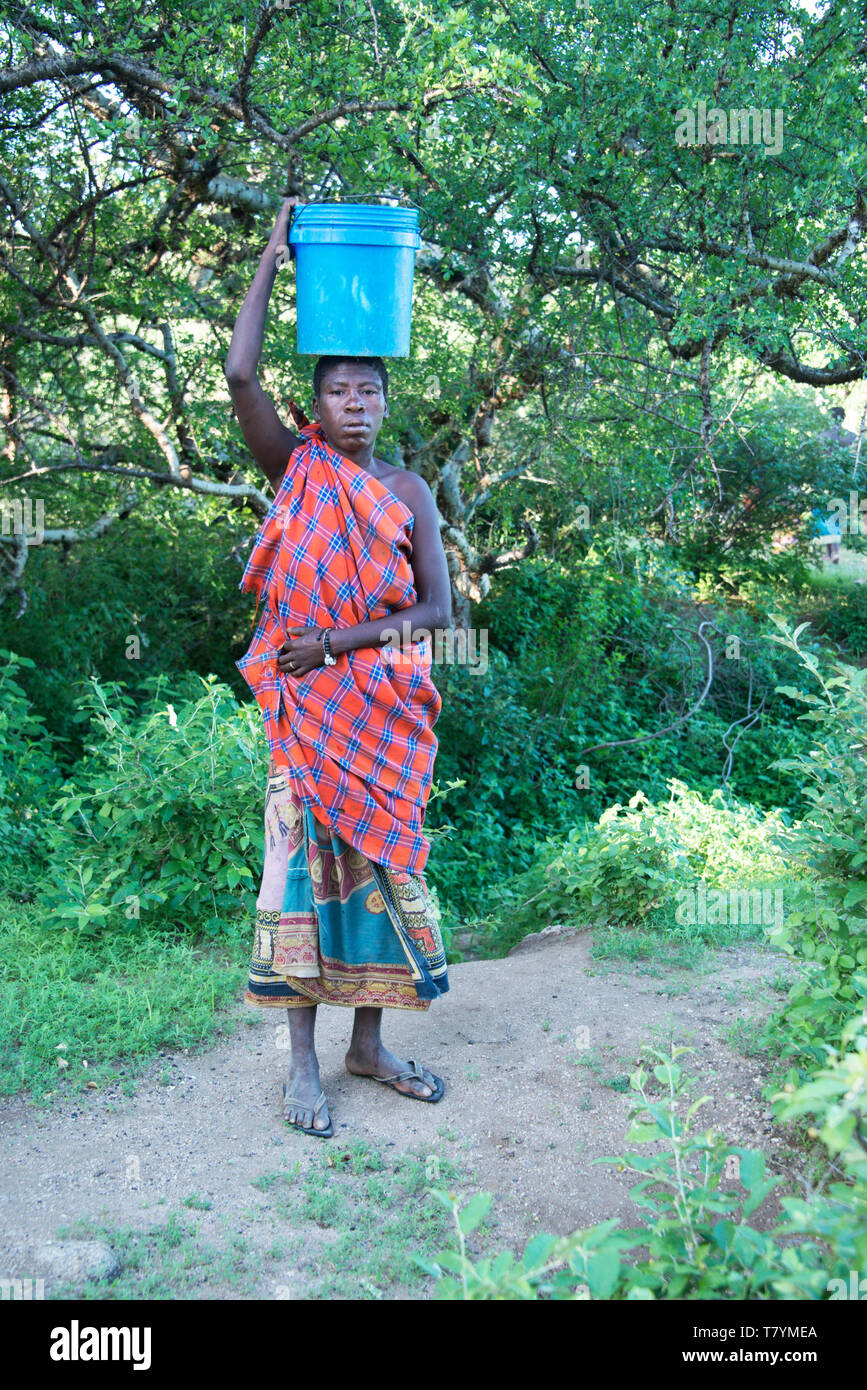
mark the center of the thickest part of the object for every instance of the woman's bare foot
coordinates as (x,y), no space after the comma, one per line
(376,1060)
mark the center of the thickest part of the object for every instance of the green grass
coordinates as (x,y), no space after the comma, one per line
(659,939)
(382,1218)
(348,1222)
(590,1059)
(838,603)
(112,1001)
(655,940)
(753,1037)
(167,1261)
(374,1211)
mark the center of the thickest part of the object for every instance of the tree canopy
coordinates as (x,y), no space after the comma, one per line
(627,223)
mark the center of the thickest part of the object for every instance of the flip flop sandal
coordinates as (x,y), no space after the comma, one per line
(302,1105)
(415,1075)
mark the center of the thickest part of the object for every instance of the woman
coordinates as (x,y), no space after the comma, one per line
(349,553)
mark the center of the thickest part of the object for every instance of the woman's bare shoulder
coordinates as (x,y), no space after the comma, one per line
(409,487)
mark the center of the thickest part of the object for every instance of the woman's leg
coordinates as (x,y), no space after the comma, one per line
(303,1080)
(368,1056)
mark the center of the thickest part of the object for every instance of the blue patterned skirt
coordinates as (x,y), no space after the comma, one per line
(332,927)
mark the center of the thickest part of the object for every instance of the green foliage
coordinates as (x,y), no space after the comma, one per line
(637,859)
(836,1096)
(97,1008)
(622,867)
(162,823)
(772,473)
(27,770)
(698,1239)
(827,931)
(156,597)
(838,610)
(580,655)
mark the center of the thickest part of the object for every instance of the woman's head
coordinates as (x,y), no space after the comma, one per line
(350,398)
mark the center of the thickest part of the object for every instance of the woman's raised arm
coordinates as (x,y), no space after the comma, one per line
(268,439)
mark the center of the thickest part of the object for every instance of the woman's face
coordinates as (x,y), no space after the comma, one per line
(351,407)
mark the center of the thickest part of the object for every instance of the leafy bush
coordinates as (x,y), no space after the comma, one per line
(635,859)
(157,595)
(836,1096)
(163,820)
(698,1241)
(622,867)
(771,472)
(839,609)
(827,931)
(581,657)
(27,767)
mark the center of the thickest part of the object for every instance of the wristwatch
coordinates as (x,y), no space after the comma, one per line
(329,659)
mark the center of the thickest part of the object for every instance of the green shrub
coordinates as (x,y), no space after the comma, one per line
(28,774)
(698,1241)
(157,595)
(836,1096)
(586,656)
(840,611)
(827,931)
(636,859)
(771,472)
(163,820)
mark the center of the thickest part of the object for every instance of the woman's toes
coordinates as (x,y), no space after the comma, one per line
(417,1088)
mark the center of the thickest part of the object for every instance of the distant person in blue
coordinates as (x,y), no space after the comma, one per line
(827,528)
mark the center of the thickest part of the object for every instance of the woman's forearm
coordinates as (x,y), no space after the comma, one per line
(246,345)
(422,618)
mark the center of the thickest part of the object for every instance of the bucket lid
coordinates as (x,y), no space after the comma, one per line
(357,214)
(370,221)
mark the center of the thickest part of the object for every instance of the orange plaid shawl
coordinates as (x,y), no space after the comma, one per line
(357,738)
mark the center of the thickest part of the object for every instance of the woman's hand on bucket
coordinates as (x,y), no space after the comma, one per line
(305,652)
(283,216)
(279,239)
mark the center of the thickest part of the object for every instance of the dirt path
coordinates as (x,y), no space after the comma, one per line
(526,1045)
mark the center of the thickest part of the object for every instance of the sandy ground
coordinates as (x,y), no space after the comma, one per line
(525,1045)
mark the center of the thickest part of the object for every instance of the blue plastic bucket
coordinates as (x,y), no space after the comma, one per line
(354,273)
